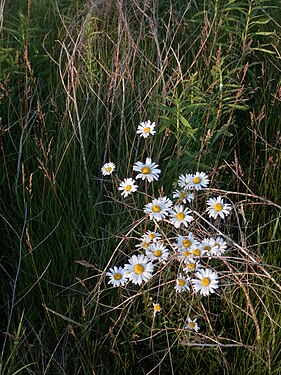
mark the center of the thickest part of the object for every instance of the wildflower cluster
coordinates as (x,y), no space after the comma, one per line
(172,239)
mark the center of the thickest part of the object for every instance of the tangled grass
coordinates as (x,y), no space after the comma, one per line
(76,80)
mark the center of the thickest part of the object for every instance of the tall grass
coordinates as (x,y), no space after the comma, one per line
(76,80)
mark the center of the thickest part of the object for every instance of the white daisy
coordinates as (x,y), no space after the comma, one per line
(156,308)
(107,169)
(192,265)
(180,215)
(117,276)
(139,269)
(206,281)
(146,128)
(219,247)
(148,170)
(182,283)
(197,250)
(158,209)
(183,196)
(184,181)
(158,251)
(127,187)
(184,254)
(207,244)
(143,245)
(218,208)
(192,325)
(185,241)
(214,247)
(151,236)
(198,181)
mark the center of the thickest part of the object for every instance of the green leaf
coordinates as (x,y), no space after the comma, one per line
(238,106)
(223,131)
(265,33)
(197,105)
(259,22)
(264,50)
(185,122)
(275,228)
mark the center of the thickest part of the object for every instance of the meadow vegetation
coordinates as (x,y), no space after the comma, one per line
(76,80)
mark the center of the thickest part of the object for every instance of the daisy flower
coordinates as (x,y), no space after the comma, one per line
(219,247)
(218,208)
(127,187)
(184,181)
(139,269)
(151,236)
(184,254)
(183,196)
(156,308)
(198,181)
(197,250)
(107,169)
(208,245)
(146,128)
(144,245)
(192,265)
(185,241)
(158,251)
(180,215)
(117,276)
(158,209)
(182,283)
(192,325)
(206,281)
(148,170)
(214,247)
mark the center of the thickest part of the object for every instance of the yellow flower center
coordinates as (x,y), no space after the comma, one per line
(156,208)
(183,194)
(145,170)
(181,282)
(117,276)
(186,253)
(108,169)
(191,325)
(196,252)
(207,248)
(128,187)
(196,180)
(205,281)
(191,266)
(138,269)
(157,307)
(151,236)
(147,129)
(145,245)
(158,253)
(180,216)
(186,243)
(218,207)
